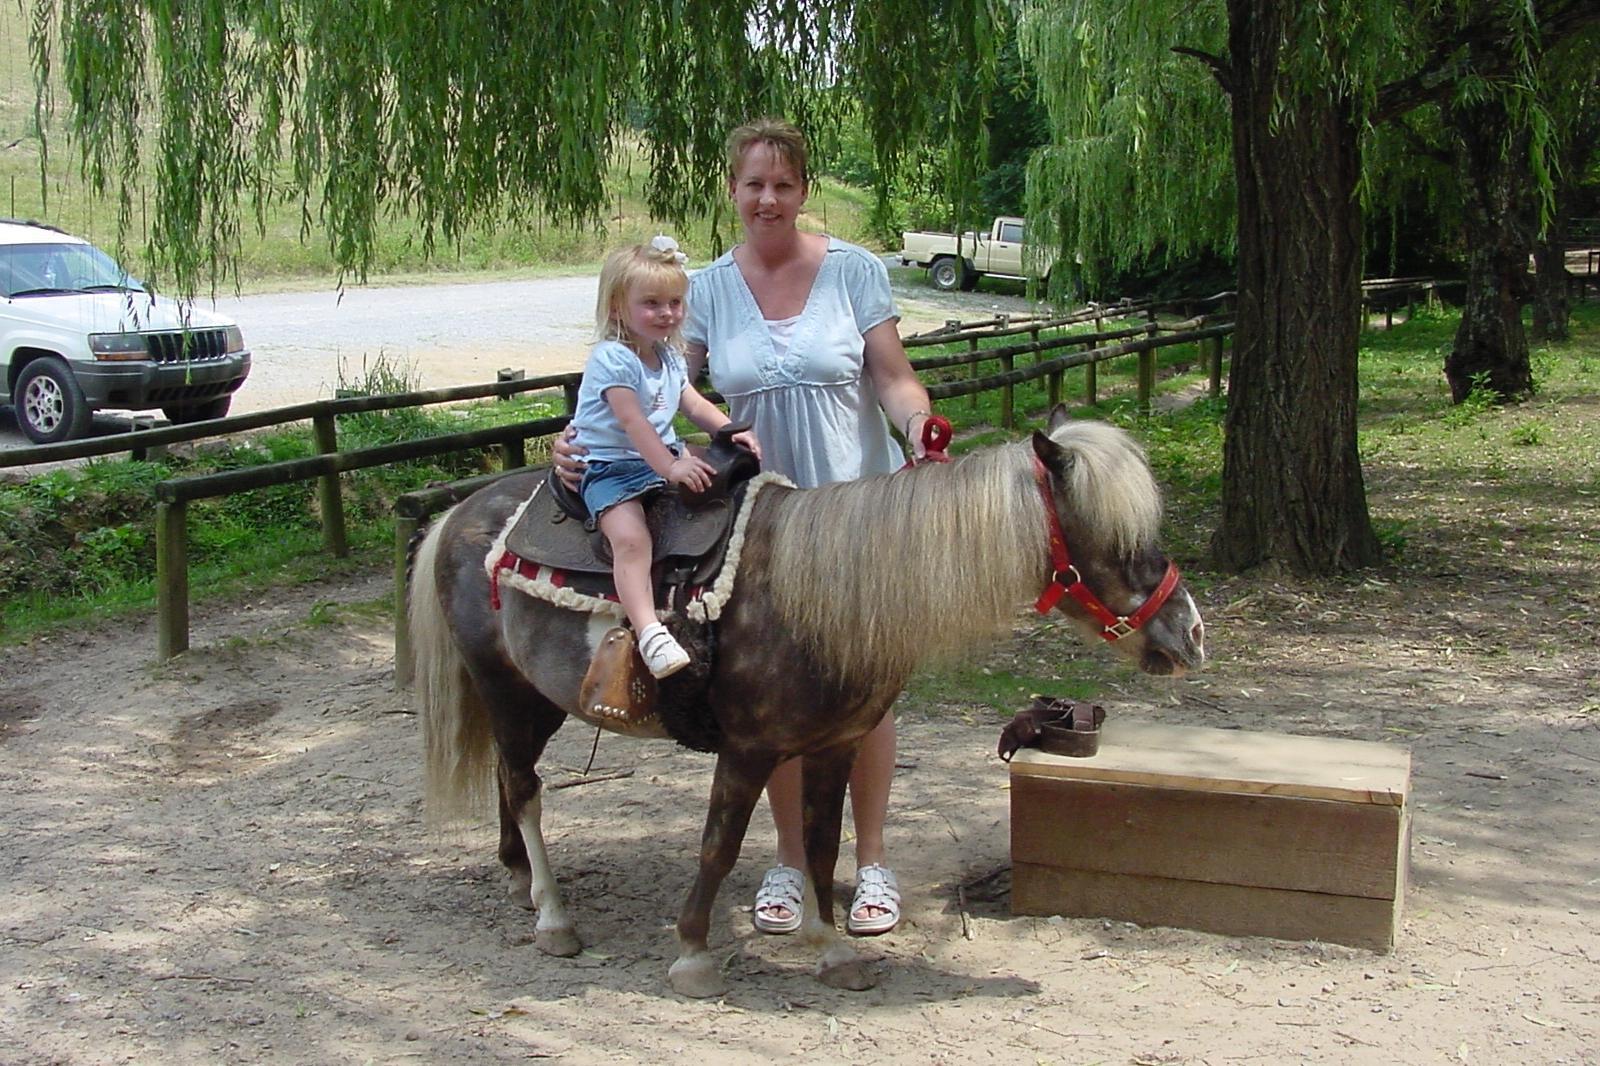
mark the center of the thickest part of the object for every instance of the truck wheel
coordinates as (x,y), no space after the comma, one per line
(947,273)
(969,280)
(198,412)
(49,405)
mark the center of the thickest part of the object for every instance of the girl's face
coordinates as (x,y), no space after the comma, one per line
(651,313)
(767,192)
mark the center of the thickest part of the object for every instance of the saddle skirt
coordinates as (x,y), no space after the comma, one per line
(547,553)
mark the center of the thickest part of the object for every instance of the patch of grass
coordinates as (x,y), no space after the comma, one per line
(80,542)
(1005,690)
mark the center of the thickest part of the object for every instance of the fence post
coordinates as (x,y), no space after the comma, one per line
(506,373)
(1091,377)
(1007,395)
(1054,380)
(404,660)
(1215,364)
(513,454)
(328,496)
(172,578)
(972,368)
(1147,368)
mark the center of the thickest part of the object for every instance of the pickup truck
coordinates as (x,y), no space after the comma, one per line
(999,252)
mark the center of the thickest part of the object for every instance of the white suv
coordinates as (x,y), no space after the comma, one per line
(77,333)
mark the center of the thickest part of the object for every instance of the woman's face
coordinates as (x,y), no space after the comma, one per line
(767,191)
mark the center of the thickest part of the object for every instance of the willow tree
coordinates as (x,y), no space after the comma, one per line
(463,112)
(1239,126)
(1572,94)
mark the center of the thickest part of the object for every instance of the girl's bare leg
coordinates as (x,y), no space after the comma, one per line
(625,528)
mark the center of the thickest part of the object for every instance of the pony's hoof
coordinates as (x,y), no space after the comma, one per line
(696,976)
(562,943)
(845,969)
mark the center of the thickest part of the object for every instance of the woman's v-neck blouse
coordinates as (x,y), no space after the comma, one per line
(814,410)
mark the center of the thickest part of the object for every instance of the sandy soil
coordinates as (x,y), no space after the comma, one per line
(223,859)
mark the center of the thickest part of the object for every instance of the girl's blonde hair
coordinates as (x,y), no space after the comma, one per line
(781,136)
(626,269)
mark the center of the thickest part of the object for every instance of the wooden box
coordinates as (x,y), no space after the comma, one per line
(1241,833)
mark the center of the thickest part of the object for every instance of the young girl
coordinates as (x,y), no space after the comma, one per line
(633,384)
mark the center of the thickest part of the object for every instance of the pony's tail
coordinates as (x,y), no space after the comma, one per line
(457,742)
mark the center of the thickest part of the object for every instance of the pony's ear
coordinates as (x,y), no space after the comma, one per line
(1052,455)
(1058,418)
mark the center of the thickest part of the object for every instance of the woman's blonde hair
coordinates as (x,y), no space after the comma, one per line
(624,270)
(784,139)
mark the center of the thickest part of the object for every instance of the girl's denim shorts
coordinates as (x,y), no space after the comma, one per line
(606,484)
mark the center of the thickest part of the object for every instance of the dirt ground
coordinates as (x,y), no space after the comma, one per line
(223,858)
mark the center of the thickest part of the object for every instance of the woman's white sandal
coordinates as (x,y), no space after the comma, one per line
(783,886)
(875,887)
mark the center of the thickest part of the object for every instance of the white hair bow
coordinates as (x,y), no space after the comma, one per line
(664,243)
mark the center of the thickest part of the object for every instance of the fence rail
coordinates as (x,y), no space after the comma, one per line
(413,509)
(139,441)
(1047,334)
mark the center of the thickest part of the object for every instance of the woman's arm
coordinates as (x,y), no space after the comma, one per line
(694,358)
(900,392)
(701,411)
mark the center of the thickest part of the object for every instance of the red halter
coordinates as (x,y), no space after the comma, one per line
(1066,580)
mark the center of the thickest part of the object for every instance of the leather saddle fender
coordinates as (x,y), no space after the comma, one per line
(686,527)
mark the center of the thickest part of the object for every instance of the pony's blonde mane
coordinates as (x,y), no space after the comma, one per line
(1111,491)
(879,575)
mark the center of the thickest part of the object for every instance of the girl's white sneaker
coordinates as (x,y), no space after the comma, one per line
(663,656)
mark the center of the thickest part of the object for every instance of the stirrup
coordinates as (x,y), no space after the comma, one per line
(616,685)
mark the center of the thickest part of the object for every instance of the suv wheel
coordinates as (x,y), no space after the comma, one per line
(198,412)
(49,404)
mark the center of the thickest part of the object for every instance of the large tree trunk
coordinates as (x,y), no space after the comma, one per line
(1491,347)
(1551,307)
(1292,490)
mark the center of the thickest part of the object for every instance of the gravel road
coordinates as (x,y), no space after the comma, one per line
(457,333)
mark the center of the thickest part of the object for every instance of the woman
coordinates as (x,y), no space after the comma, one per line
(801,335)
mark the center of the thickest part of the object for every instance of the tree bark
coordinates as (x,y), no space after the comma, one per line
(1551,306)
(1292,489)
(1491,347)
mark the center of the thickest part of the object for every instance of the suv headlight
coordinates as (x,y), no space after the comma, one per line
(113,347)
(233,340)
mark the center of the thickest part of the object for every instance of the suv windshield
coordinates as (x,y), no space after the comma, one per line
(56,269)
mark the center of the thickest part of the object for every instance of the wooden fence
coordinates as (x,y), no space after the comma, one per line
(414,509)
(1049,348)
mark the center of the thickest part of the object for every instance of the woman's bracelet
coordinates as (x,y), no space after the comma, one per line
(914,414)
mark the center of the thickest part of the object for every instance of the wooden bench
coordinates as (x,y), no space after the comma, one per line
(1225,831)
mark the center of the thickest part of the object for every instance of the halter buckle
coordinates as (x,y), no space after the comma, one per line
(1119,629)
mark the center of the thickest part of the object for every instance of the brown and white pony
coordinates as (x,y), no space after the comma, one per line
(823,626)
